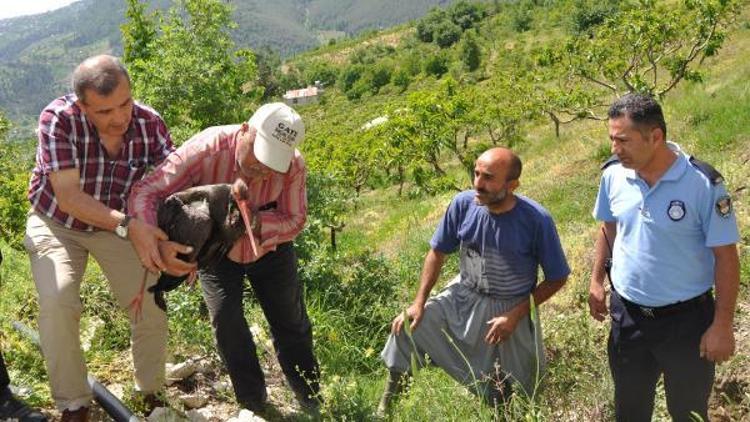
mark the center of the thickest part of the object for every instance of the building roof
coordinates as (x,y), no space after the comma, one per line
(310,91)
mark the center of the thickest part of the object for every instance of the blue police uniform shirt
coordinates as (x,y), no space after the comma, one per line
(501,253)
(662,252)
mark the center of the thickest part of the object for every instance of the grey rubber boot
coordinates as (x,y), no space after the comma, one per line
(396,385)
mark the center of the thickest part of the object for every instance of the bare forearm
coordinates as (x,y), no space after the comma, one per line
(727,283)
(602,252)
(541,294)
(433,263)
(84,207)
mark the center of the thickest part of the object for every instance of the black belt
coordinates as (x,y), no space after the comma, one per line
(671,309)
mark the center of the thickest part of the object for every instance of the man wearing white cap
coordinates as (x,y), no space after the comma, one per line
(263,153)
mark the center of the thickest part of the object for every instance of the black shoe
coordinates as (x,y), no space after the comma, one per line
(308,404)
(257,406)
(13,408)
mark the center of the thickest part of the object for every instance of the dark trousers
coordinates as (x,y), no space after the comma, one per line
(4,378)
(276,285)
(641,348)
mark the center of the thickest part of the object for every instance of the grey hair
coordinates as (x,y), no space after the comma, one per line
(101,74)
(642,109)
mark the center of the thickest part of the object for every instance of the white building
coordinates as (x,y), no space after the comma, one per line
(303,96)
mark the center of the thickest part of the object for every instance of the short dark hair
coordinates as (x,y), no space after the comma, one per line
(642,109)
(101,74)
(514,172)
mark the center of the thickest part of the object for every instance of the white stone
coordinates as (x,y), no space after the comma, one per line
(165,414)
(200,415)
(180,371)
(193,401)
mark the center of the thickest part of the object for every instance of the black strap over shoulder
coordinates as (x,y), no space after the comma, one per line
(613,159)
(713,175)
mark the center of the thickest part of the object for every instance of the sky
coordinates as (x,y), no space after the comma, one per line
(13,8)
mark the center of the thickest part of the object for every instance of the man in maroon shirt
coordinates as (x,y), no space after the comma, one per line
(93,146)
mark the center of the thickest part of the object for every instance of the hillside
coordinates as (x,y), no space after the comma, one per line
(382,189)
(38,52)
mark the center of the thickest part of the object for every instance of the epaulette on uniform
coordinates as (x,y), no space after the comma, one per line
(713,175)
(611,160)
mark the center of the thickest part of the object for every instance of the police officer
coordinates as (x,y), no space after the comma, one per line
(669,225)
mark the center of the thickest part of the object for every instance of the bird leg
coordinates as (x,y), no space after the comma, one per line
(136,305)
(243,205)
(191,278)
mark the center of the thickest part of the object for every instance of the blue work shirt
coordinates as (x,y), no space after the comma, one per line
(501,253)
(662,252)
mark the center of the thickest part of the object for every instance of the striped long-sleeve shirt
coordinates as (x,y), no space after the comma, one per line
(210,157)
(67,139)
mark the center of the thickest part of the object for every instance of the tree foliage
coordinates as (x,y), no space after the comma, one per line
(644,46)
(445,26)
(186,66)
(650,46)
(469,52)
(14,180)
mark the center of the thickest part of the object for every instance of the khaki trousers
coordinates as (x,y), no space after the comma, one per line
(58,261)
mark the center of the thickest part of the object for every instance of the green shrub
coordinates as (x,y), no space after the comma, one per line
(446,34)
(436,64)
(352,300)
(15,167)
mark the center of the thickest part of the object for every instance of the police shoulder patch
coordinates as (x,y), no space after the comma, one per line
(724,206)
(713,175)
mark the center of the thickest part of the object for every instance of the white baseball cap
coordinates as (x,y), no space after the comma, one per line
(279,129)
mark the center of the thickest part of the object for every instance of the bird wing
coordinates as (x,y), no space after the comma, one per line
(186,223)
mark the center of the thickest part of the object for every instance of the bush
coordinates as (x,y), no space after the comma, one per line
(401,79)
(379,77)
(465,14)
(426,26)
(351,300)
(350,76)
(436,65)
(589,14)
(469,52)
(446,34)
(320,71)
(15,167)
(520,18)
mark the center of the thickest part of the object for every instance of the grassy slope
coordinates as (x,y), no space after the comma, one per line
(711,120)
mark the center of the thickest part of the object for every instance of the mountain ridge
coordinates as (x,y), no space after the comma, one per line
(38,52)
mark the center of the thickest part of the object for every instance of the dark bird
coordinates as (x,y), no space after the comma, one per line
(209,219)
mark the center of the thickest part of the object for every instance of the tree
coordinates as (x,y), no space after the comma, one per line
(189,69)
(651,46)
(446,33)
(269,72)
(436,64)
(465,14)
(469,52)
(426,129)
(138,33)
(401,79)
(646,46)
(380,76)
(15,164)
(319,70)
(426,26)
